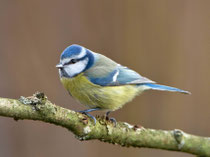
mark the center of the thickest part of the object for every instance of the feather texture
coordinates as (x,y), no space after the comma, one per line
(108,98)
(163,88)
(106,72)
(99,82)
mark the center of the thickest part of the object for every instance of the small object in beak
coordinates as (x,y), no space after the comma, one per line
(59,66)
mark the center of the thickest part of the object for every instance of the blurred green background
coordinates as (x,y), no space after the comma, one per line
(167,41)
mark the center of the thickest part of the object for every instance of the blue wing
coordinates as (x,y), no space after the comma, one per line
(120,76)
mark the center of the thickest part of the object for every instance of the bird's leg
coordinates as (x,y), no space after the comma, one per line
(86,112)
(113,120)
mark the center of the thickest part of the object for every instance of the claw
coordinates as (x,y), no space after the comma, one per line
(113,120)
(88,114)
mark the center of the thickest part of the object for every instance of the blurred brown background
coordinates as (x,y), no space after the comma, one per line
(167,41)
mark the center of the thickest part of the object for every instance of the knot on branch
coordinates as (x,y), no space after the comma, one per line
(37,98)
(178,135)
(39,103)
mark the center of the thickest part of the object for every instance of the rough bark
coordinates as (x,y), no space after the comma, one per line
(38,107)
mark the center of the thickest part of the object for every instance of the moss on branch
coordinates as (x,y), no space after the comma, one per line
(38,107)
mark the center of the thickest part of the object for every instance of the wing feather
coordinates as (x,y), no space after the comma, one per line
(120,76)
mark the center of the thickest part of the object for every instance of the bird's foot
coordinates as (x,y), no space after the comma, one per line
(88,114)
(113,120)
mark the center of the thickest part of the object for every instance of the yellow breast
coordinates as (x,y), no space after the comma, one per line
(105,97)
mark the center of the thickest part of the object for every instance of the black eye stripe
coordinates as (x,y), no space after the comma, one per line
(73,61)
(83,58)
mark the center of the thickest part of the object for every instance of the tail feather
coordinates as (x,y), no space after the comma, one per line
(164,88)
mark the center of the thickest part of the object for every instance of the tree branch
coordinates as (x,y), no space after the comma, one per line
(38,107)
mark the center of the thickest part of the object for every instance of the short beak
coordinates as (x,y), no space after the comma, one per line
(59,66)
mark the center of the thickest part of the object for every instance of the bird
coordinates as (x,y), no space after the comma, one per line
(100,83)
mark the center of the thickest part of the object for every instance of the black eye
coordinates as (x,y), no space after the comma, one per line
(72,61)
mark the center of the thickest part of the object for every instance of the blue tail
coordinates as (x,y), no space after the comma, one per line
(164,88)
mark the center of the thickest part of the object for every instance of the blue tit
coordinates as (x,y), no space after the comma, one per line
(99,82)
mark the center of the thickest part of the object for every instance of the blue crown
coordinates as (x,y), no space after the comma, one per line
(71,50)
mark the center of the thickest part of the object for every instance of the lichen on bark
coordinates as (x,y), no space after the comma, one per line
(38,107)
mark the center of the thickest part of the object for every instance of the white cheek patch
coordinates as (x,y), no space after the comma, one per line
(74,69)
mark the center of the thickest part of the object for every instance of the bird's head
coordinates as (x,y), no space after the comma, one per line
(74,60)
